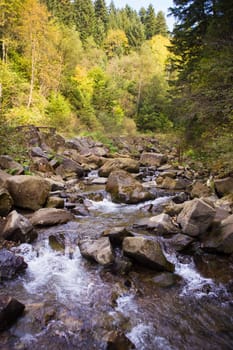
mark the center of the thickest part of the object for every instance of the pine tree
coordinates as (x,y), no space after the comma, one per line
(84,16)
(150,22)
(62,9)
(101,12)
(161,25)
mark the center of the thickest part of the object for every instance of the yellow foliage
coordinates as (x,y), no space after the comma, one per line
(116,43)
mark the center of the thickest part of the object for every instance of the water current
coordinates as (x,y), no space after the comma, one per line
(72,303)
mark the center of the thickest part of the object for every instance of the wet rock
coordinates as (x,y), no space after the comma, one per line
(125,189)
(117,341)
(152,159)
(180,242)
(50,216)
(200,189)
(8,163)
(172,184)
(80,210)
(180,198)
(161,224)
(221,239)
(121,265)
(196,217)
(57,242)
(18,229)
(55,202)
(147,252)
(166,279)
(224,186)
(6,202)
(10,264)
(10,310)
(99,250)
(127,164)
(56,183)
(68,168)
(29,192)
(117,234)
(173,209)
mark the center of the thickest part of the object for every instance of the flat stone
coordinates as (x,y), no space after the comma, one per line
(50,216)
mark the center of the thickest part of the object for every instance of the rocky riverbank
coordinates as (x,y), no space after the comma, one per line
(196,219)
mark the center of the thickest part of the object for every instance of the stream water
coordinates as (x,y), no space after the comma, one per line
(72,303)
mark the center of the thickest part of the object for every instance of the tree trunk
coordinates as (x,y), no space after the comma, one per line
(33,69)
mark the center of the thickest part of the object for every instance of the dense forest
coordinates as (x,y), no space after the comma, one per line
(81,66)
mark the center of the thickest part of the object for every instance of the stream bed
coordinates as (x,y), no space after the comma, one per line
(72,303)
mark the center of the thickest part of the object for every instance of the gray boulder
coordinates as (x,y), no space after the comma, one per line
(18,229)
(224,186)
(147,252)
(125,189)
(50,216)
(127,164)
(196,217)
(161,224)
(6,202)
(152,159)
(221,240)
(69,167)
(29,192)
(10,264)
(99,250)
(10,310)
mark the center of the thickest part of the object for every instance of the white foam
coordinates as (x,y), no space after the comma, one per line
(144,337)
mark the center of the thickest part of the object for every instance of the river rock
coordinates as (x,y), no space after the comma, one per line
(3,177)
(10,264)
(87,146)
(68,167)
(6,202)
(147,252)
(42,165)
(221,239)
(117,234)
(224,186)
(165,279)
(38,152)
(127,164)
(200,189)
(152,159)
(125,189)
(29,192)
(8,163)
(179,242)
(169,183)
(50,216)
(117,341)
(55,202)
(196,217)
(10,310)
(99,250)
(57,242)
(18,229)
(161,224)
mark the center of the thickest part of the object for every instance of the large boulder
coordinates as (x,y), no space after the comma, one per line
(196,217)
(161,224)
(224,186)
(87,146)
(6,162)
(128,164)
(221,239)
(152,159)
(200,189)
(18,229)
(69,167)
(99,250)
(6,202)
(169,183)
(147,252)
(125,189)
(51,216)
(3,177)
(10,264)
(10,310)
(29,192)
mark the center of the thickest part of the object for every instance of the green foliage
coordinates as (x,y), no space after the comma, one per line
(58,112)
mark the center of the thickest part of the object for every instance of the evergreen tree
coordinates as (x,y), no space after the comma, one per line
(142,14)
(101,12)
(150,22)
(161,25)
(62,9)
(84,15)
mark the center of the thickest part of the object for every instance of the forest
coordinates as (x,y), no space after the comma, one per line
(87,68)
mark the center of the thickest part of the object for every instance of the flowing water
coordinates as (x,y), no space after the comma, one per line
(72,303)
